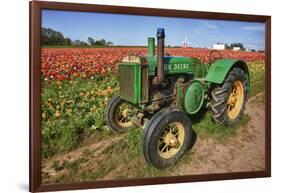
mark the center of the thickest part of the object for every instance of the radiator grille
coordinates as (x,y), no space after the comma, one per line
(128,75)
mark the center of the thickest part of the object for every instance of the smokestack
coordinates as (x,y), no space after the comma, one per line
(151,46)
(160,56)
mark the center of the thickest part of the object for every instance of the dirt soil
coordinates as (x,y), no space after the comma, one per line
(243,151)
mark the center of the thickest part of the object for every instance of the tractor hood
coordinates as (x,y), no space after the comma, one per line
(172,64)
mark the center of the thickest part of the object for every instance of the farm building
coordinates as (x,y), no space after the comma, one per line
(219,46)
(236,48)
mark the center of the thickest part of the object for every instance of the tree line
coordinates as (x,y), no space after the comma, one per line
(232,45)
(50,37)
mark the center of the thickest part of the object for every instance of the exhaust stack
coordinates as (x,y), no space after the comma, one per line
(151,46)
(160,56)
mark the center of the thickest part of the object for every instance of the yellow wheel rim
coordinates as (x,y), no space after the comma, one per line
(122,116)
(235,100)
(171,140)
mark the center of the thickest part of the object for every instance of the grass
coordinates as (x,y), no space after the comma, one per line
(206,126)
(127,150)
(111,157)
(257,78)
(148,171)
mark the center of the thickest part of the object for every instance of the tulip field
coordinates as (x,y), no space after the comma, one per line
(78,82)
(66,63)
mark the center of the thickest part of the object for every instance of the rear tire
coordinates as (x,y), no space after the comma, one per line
(166,137)
(114,118)
(228,100)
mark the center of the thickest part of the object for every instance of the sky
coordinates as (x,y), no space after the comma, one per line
(134,30)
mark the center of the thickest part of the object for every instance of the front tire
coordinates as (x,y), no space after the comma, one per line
(228,100)
(117,116)
(166,137)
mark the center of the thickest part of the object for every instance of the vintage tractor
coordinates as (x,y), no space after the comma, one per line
(160,94)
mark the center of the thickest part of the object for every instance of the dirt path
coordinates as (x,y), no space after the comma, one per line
(243,152)
(105,160)
(54,167)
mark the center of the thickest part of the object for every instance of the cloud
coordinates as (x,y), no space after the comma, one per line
(259,28)
(253,46)
(209,25)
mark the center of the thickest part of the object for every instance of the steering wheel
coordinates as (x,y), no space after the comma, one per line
(214,55)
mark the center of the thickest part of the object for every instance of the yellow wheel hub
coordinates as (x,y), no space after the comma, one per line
(235,100)
(171,140)
(122,116)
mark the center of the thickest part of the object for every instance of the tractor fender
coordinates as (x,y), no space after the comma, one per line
(220,69)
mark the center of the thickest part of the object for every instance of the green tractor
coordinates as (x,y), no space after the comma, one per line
(160,94)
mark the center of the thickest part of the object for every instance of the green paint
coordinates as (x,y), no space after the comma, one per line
(177,65)
(151,46)
(194,97)
(130,75)
(130,84)
(220,69)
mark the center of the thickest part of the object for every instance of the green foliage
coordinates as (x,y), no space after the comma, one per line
(149,171)
(236,44)
(132,143)
(220,132)
(91,41)
(51,37)
(114,155)
(71,109)
(257,78)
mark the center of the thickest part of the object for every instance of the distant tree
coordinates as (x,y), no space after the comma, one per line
(67,41)
(232,45)
(227,46)
(77,42)
(91,41)
(59,39)
(240,45)
(98,43)
(103,42)
(55,38)
(83,43)
(52,37)
(109,43)
(44,36)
